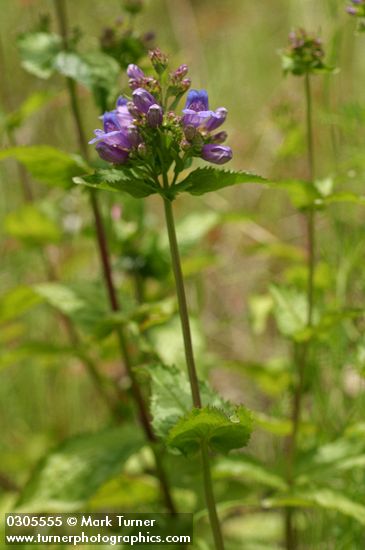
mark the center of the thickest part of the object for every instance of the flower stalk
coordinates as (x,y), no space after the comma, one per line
(190,362)
(301,351)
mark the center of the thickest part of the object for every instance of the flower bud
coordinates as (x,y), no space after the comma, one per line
(190,132)
(159,60)
(217,154)
(180,72)
(185,84)
(143,100)
(133,71)
(155,116)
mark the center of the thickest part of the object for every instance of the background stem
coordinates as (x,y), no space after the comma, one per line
(189,355)
(108,276)
(301,350)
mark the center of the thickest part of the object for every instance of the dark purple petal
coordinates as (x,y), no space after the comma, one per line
(197,100)
(112,153)
(133,71)
(155,116)
(217,154)
(216,119)
(143,100)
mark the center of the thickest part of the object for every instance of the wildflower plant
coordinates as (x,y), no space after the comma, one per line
(357,10)
(150,146)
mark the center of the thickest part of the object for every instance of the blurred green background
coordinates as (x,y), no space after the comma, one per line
(241,240)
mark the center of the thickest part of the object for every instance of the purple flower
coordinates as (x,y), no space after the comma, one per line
(197,113)
(133,71)
(143,100)
(155,116)
(111,153)
(197,100)
(118,136)
(217,154)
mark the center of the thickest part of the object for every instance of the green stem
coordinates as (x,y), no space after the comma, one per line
(189,355)
(60,7)
(301,350)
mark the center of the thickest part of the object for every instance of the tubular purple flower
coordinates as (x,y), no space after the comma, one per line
(351,10)
(217,154)
(217,118)
(155,116)
(197,100)
(143,100)
(133,71)
(111,153)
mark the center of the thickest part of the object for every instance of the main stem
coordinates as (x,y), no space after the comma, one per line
(193,378)
(301,350)
(108,276)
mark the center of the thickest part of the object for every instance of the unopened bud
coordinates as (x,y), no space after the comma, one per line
(159,60)
(155,116)
(190,132)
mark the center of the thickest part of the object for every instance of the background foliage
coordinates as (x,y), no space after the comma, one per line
(244,256)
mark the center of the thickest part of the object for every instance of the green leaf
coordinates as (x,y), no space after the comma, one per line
(84,303)
(95,70)
(221,430)
(47,164)
(72,473)
(319,498)
(290,310)
(16,302)
(171,397)
(119,180)
(205,180)
(32,226)
(245,469)
(38,51)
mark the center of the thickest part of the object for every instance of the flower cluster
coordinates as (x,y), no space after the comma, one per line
(145,131)
(304,54)
(358,10)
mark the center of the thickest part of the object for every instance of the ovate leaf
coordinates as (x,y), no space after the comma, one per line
(320,498)
(221,430)
(171,397)
(95,70)
(47,164)
(204,180)
(71,474)
(118,180)
(38,51)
